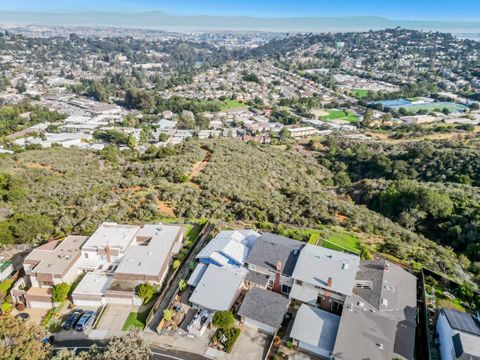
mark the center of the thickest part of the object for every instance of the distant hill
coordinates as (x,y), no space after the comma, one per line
(161,21)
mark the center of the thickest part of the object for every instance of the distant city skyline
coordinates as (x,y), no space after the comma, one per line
(405,9)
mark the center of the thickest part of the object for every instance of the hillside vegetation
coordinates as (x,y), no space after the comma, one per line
(59,191)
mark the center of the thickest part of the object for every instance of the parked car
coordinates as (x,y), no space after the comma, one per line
(23,316)
(85,320)
(72,319)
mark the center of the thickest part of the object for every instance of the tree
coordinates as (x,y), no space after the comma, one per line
(176,263)
(128,346)
(21,87)
(223,319)
(368,118)
(146,291)
(60,292)
(131,142)
(28,228)
(21,340)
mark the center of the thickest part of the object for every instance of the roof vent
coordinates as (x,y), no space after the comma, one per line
(149,253)
(384,302)
(380,346)
(361,304)
(345,266)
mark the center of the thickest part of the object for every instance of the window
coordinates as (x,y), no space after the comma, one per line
(286,289)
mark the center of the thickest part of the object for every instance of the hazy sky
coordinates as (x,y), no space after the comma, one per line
(396,9)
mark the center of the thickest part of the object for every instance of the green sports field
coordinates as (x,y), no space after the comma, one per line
(340,115)
(360,93)
(232,104)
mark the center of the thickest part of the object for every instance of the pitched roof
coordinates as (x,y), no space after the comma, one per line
(315,265)
(257,278)
(231,244)
(462,321)
(270,248)
(315,327)
(264,306)
(218,287)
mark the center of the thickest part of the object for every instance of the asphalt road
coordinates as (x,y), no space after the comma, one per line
(158,353)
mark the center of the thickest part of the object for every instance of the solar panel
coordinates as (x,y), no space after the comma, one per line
(463,321)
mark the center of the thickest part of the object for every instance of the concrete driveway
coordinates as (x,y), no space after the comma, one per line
(114,317)
(251,344)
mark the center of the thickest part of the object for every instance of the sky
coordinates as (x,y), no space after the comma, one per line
(394,9)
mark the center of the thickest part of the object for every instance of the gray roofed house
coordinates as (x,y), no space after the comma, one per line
(270,249)
(380,317)
(263,309)
(315,330)
(459,334)
(218,288)
(257,279)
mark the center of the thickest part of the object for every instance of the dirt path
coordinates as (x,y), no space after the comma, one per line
(198,168)
(164,209)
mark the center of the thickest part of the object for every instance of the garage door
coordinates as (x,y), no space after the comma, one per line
(91,303)
(260,326)
(119,301)
(40,305)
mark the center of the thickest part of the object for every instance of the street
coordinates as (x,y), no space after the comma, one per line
(158,353)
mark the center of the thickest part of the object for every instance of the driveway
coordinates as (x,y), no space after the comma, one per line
(251,344)
(114,317)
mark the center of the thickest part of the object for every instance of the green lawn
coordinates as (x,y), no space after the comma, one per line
(360,93)
(340,115)
(137,320)
(232,104)
(339,239)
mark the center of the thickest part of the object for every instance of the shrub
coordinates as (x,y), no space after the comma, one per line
(146,291)
(223,319)
(176,264)
(231,334)
(47,317)
(60,292)
(167,315)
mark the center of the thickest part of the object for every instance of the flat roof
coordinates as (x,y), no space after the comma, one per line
(218,287)
(56,257)
(149,259)
(93,283)
(315,327)
(264,306)
(118,236)
(315,265)
(197,274)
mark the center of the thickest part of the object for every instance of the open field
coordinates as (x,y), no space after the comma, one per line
(232,104)
(360,93)
(340,115)
(339,239)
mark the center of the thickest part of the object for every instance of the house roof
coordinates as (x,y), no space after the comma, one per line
(230,244)
(118,236)
(93,283)
(317,264)
(257,278)
(149,256)
(270,248)
(466,346)
(462,321)
(197,274)
(315,327)
(218,287)
(382,312)
(363,334)
(264,306)
(304,294)
(56,257)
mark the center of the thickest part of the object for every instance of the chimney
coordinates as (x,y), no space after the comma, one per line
(276,285)
(107,252)
(329,282)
